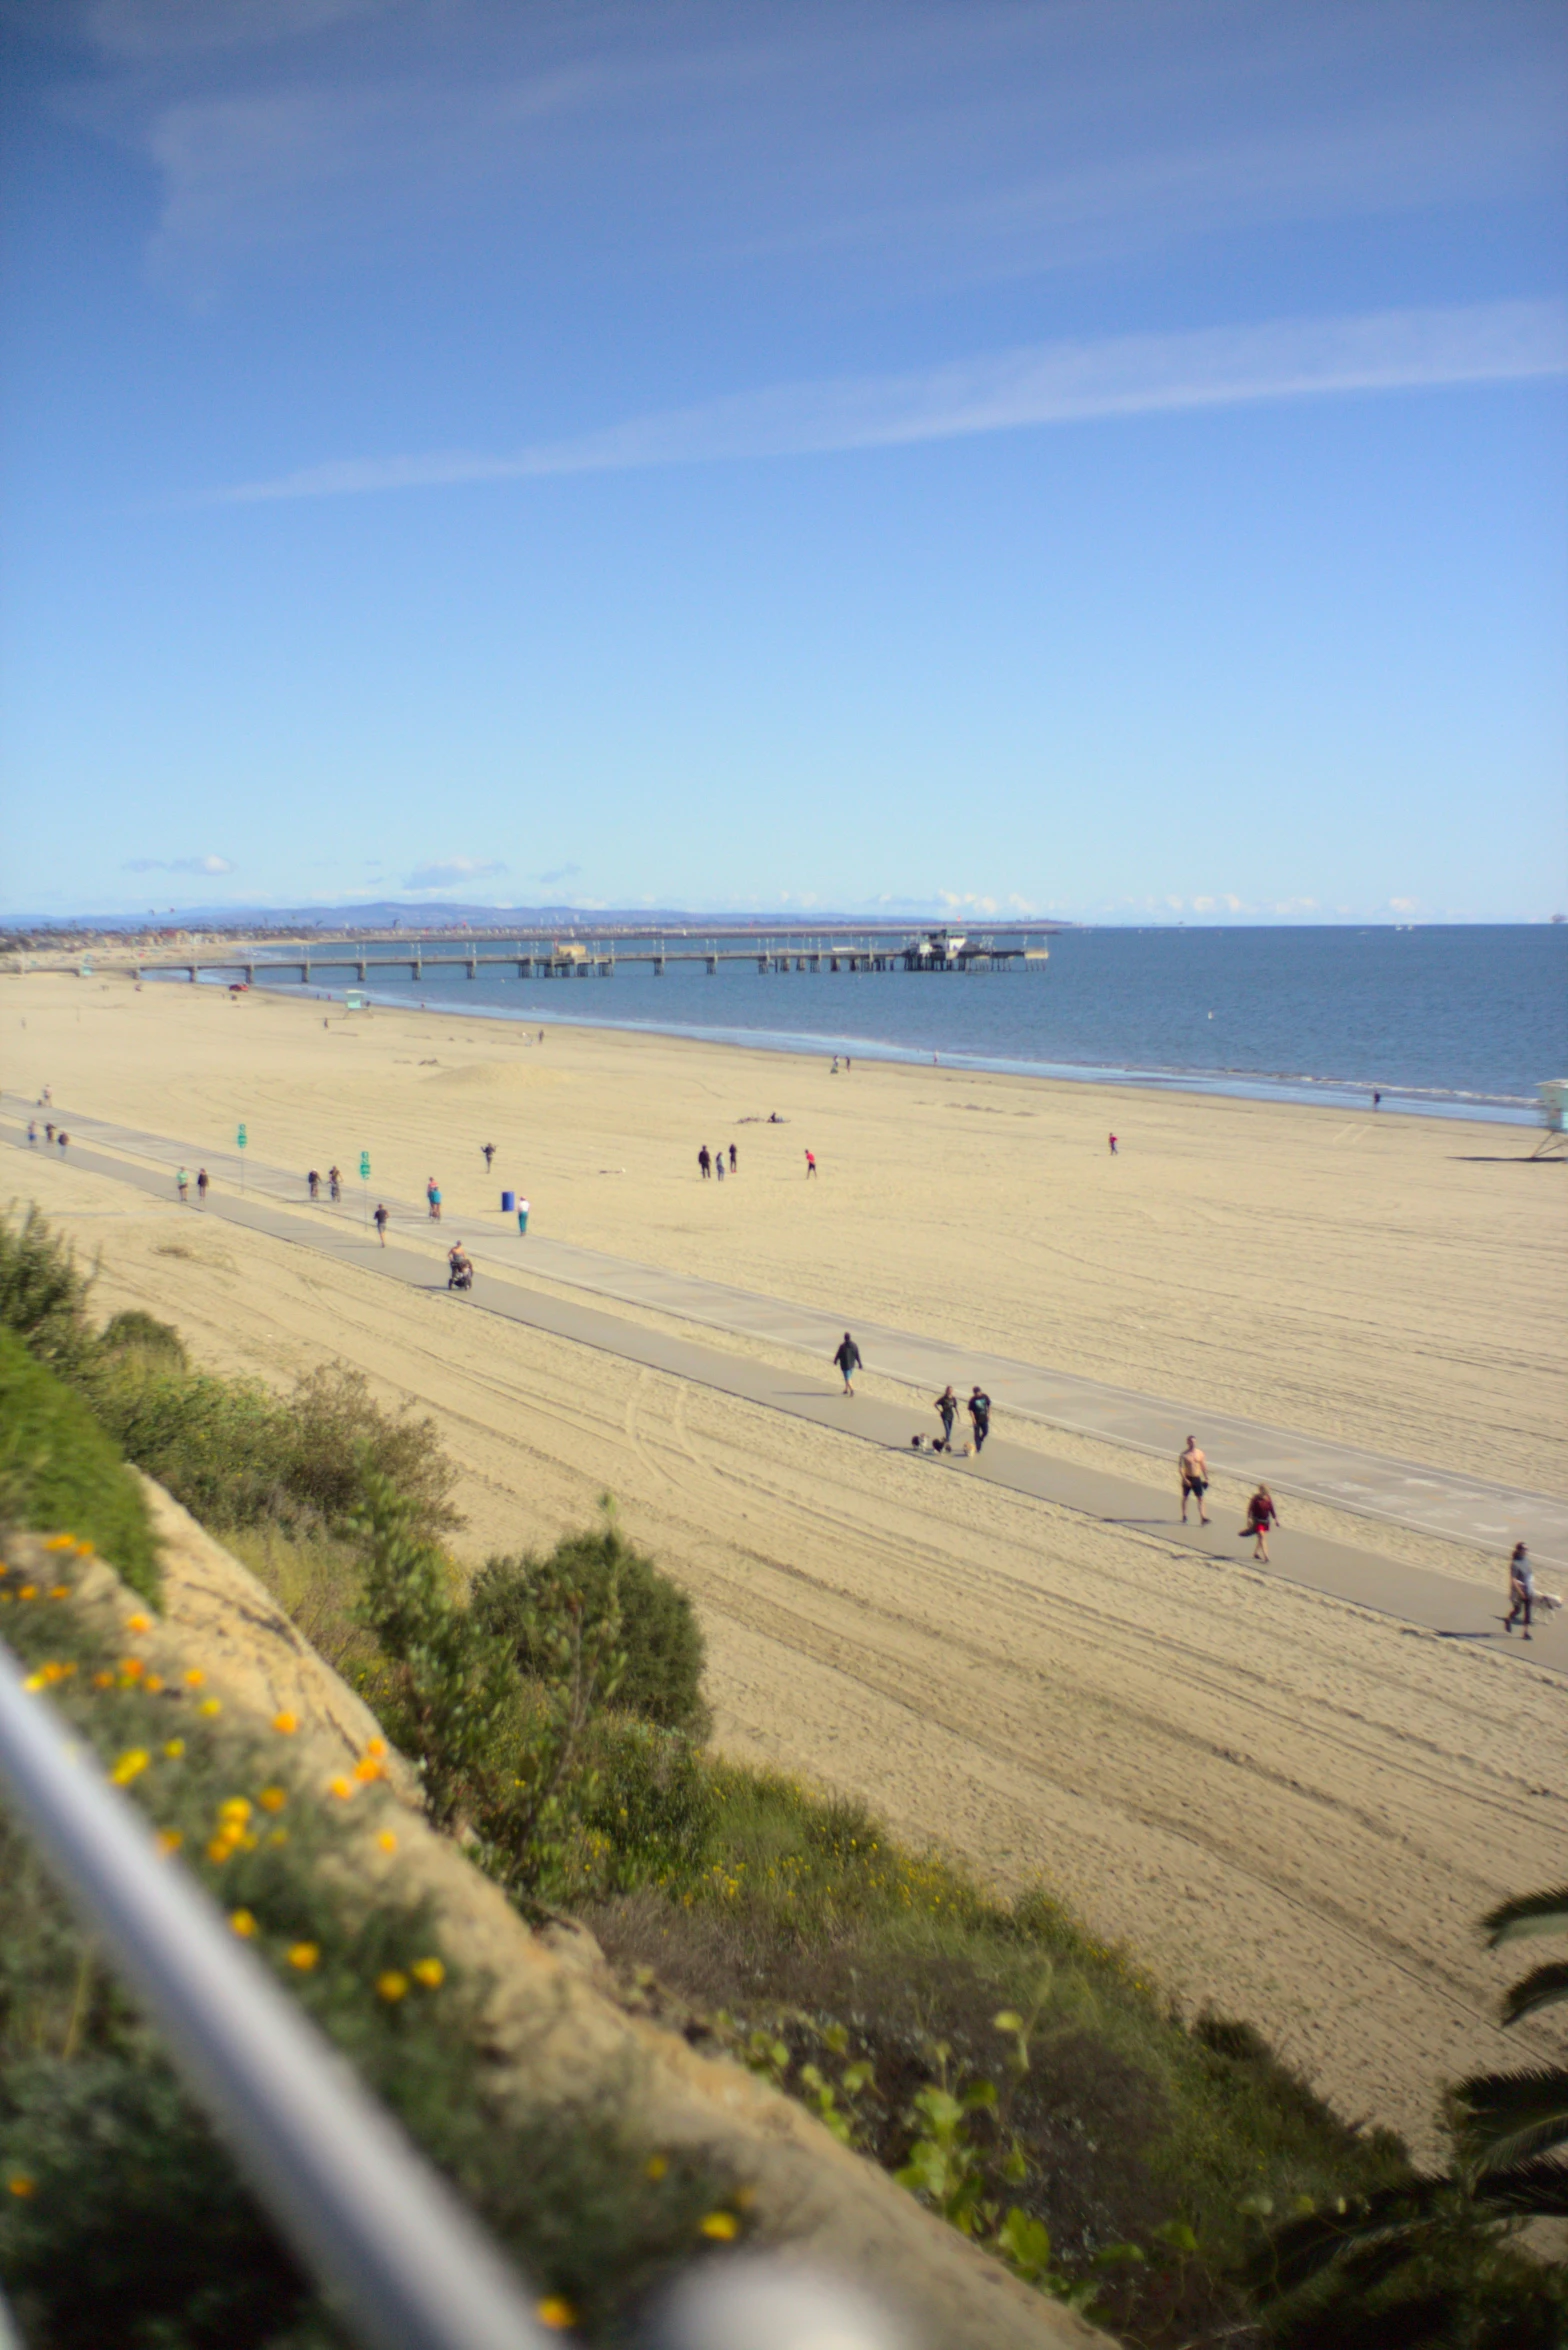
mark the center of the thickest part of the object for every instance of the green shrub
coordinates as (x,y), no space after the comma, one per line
(43,1292)
(60,1473)
(647,1815)
(136,1333)
(659,1634)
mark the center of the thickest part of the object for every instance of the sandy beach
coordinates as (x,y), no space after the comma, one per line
(1292,1810)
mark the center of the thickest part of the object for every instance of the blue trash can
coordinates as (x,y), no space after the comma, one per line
(508,1202)
(522,1217)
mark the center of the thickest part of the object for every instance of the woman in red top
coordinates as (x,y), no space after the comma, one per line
(1261,1515)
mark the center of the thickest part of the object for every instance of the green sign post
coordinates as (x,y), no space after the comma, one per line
(241,1138)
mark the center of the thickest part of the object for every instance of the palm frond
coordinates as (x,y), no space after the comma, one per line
(1503,2118)
(1542,1988)
(1303,2248)
(1525,2190)
(1529,1913)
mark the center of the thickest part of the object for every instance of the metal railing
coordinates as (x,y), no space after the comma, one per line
(396,2252)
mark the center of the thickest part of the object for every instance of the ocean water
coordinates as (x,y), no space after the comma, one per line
(1447,1021)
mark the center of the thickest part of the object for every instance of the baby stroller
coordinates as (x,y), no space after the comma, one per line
(460,1274)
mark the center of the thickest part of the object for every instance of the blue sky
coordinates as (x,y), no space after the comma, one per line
(1098,457)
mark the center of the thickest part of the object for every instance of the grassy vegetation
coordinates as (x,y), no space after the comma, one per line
(59,1467)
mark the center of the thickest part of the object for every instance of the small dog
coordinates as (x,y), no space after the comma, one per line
(1549,1600)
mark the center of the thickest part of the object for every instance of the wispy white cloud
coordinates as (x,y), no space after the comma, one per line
(453,873)
(211,866)
(1045,384)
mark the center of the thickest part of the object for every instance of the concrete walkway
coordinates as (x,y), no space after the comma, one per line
(1414,1595)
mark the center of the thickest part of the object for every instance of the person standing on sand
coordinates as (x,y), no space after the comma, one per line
(705,1162)
(1194,1472)
(811,1163)
(380,1220)
(847,1356)
(489,1150)
(979,1410)
(1521,1589)
(734,1158)
(718,1164)
(334,1184)
(1261,1515)
(32,1134)
(203,1184)
(1113,1146)
(947,1406)
(1377,1101)
(433,1198)
(182,1184)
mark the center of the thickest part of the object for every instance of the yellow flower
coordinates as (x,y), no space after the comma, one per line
(368,1768)
(242,1923)
(391,1986)
(35,1681)
(61,1542)
(20,2184)
(656,2167)
(722,2226)
(60,1591)
(428,1971)
(28,1591)
(84,1550)
(131,1667)
(272,1798)
(304,1955)
(130,1766)
(209,1705)
(342,1788)
(556,2313)
(195,1677)
(154,1682)
(235,1809)
(285,1723)
(169,1840)
(387,1841)
(377,1747)
(103,1680)
(174,1748)
(138,1623)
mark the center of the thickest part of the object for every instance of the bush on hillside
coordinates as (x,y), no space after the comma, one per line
(659,1634)
(136,1333)
(43,1292)
(61,1474)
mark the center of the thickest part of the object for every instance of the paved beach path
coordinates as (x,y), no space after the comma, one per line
(1451,1506)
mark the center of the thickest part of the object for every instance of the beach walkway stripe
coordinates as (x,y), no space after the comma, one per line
(1417,1596)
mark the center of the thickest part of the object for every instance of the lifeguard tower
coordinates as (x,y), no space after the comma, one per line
(1554,1117)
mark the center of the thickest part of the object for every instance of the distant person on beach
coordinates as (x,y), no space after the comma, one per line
(1113,1146)
(1261,1515)
(182,1184)
(1521,1589)
(947,1406)
(433,1199)
(734,1158)
(62,1138)
(203,1185)
(979,1410)
(705,1162)
(1194,1470)
(811,1162)
(48,1130)
(718,1165)
(460,1271)
(847,1356)
(1377,1101)
(314,1181)
(489,1150)
(380,1220)
(46,1098)
(335,1183)
(32,1133)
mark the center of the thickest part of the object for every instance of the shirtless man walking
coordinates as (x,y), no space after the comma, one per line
(1194,1470)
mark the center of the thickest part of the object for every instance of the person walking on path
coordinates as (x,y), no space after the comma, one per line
(380,1220)
(1521,1589)
(32,1134)
(811,1163)
(734,1158)
(62,1138)
(203,1185)
(1194,1470)
(979,1410)
(182,1184)
(847,1356)
(1261,1515)
(705,1162)
(433,1199)
(947,1406)
(48,1130)
(334,1184)
(314,1181)
(489,1150)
